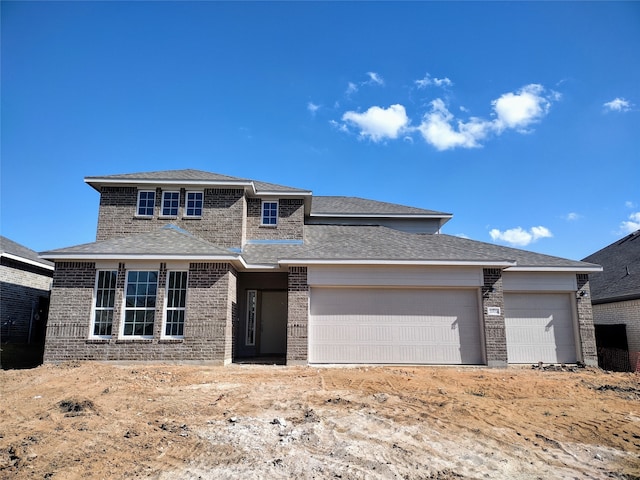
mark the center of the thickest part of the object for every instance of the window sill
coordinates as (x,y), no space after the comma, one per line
(143,217)
(192,217)
(268,226)
(171,340)
(97,341)
(168,217)
(134,340)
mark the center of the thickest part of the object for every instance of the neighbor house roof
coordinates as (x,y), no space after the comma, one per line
(190,177)
(15,251)
(355,206)
(620,278)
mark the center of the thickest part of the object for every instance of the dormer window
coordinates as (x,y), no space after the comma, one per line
(146,203)
(269,213)
(170,203)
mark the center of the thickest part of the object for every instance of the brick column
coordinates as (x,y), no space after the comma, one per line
(586,330)
(297,317)
(494,328)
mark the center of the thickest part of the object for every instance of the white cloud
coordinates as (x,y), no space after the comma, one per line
(629,204)
(436,129)
(519,110)
(351,88)
(572,216)
(618,105)
(375,78)
(513,111)
(520,237)
(631,225)
(379,123)
(438,82)
(461,235)
(312,107)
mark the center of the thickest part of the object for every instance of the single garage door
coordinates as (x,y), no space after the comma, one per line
(539,328)
(406,326)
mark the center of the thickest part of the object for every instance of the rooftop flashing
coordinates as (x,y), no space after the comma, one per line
(382,215)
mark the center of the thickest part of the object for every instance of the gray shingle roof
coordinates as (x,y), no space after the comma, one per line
(366,243)
(168,240)
(620,278)
(191,175)
(17,250)
(327,205)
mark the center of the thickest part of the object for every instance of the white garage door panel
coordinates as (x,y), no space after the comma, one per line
(373,325)
(539,328)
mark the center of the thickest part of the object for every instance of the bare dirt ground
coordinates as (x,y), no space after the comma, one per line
(92,420)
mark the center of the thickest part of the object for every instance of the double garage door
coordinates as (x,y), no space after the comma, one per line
(434,326)
(386,325)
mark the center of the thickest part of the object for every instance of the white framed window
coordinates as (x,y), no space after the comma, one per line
(146,203)
(175,304)
(170,204)
(193,207)
(140,303)
(252,310)
(269,213)
(104,301)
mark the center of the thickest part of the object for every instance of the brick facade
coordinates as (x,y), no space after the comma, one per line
(298,317)
(290,220)
(628,313)
(210,314)
(222,222)
(495,335)
(586,331)
(24,290)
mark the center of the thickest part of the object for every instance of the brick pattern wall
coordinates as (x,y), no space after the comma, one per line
(585,322)
(20,292)
(628,313)
(290,220)
(494,327)
(208,320)
(298,316)
(222,221)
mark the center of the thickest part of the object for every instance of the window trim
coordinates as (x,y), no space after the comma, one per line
(186,203)
(95,308)
(251,318)
(125,309)
(166,308)
(262,213)
(145,215)
(162,207)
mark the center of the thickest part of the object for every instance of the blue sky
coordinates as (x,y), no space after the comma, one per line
(521,119)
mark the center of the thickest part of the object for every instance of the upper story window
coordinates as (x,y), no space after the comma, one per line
(140,303)
(269,213)
(170,203)
(194,204)
(105,297)
(146,202)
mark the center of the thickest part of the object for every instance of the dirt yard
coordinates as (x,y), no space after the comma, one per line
(89,420)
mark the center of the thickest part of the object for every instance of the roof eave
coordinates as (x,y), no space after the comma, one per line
(27,261)
(382,215)
(450,263)
(135,256)
(525,268)
(97,182)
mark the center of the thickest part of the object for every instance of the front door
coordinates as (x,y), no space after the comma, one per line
(273,323)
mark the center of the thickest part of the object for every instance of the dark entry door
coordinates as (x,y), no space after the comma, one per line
(273,323)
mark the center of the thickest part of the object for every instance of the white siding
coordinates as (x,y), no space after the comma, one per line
(540,328)
(395,276)
(539,282)
(381,325)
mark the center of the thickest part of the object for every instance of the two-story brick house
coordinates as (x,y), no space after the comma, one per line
(191,266)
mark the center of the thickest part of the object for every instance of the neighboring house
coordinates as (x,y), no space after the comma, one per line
(615,296)
(25,284)
(192,266)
